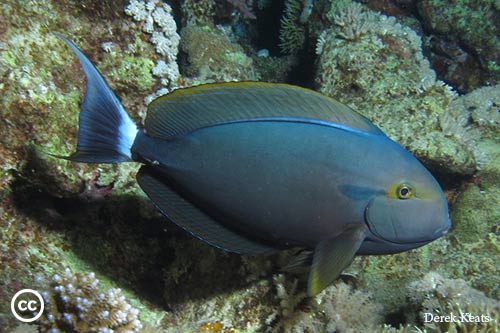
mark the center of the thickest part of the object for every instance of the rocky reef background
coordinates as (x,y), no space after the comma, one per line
(426,72)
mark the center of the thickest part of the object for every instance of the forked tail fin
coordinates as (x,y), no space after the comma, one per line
(106,132)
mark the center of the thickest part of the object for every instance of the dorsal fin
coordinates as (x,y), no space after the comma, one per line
(188,109)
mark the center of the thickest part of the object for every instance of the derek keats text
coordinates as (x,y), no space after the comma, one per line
(453,318)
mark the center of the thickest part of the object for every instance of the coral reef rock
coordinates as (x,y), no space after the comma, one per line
(76,304)
(374,64)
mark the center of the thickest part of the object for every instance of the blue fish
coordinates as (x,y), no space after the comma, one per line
(253,168)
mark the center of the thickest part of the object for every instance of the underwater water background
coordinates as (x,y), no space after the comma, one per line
(85,236)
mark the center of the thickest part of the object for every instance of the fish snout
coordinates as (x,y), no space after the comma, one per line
(443,230)
(407,221)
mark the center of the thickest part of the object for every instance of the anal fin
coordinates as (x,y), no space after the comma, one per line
(193,220)
(332,256)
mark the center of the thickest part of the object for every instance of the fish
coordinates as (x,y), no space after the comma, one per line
(254,168)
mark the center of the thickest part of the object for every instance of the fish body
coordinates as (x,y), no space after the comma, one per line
(284,182)
(254,167)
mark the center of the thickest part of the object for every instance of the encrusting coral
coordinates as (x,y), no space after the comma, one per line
(76,304)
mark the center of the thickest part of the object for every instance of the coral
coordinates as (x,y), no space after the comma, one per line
(156,19)
(460,37)
(288,294)
(474,117)
(273,69)
(211,327)
(433,292)
(482,106)
(262,4)
(42,197)
(198,12)
(371,62)
(447,306)
(464,45)
(213,57)
(401,329)
(244,7)
(476,217)
(338,308)
(234,311)
(292,31)
(349,310)
(76,304)
(473,311)
(136,72)
(387,277)
(352,21)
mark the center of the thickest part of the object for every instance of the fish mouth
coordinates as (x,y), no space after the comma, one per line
(376,245)
(443,230)
(415,221)
(435,235)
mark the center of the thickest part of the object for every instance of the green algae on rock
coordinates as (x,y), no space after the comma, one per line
(213,57)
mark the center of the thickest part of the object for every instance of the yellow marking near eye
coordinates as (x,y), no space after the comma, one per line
(401,190)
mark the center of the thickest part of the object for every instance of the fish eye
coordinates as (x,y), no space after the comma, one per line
(404,191)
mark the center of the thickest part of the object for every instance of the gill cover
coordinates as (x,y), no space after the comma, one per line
(405,221)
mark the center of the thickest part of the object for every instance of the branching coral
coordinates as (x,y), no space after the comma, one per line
(353,21)
(338,308)
(289,295)
(76,304)
(156,19)
(349,310)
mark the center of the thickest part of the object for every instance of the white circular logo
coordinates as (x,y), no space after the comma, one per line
(28,304)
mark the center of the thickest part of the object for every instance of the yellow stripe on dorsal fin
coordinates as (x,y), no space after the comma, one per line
(185,110)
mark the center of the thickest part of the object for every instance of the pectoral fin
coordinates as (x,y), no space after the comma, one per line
(332,256)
